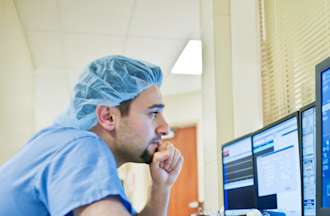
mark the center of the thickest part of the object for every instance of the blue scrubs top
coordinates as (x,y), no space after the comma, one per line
(57,171)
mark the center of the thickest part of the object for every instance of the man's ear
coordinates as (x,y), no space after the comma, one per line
(107,117)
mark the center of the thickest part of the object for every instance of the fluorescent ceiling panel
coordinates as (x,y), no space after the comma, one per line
(190,60)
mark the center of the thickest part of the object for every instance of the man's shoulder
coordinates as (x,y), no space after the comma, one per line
(62,134)
(55,140)
(73,148)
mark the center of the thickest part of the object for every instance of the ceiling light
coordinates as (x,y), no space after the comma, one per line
(190,60)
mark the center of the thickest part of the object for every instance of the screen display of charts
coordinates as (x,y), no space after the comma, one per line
(308,133)
(239,189)
(325,105)
(276,151)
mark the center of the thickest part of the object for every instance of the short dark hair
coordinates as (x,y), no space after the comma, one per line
(124,107)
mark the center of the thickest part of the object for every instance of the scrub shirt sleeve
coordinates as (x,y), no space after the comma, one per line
(83,172)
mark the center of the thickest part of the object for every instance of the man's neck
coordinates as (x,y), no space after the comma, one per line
(109,140)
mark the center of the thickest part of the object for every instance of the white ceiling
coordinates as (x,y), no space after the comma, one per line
(68,34)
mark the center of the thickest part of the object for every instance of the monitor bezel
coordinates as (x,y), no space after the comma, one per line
(292,115)
(319,68)
(300,112)
(222,162)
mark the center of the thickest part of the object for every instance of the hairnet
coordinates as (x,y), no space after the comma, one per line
(108,81)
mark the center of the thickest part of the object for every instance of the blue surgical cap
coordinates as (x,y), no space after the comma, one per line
(107,81)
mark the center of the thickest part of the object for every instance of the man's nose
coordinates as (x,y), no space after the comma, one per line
(163,128)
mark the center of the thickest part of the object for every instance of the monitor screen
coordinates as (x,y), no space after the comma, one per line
(276,153)
(308,138)
(238,181)
(325,107)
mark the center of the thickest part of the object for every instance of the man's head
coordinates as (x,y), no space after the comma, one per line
(126,90)
(134,136)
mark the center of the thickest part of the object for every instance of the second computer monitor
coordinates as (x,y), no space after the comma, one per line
(277,163)
(308,141)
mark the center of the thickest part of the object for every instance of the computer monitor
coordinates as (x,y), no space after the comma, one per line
(323,136)
(307,131)
(277,164)
(238,181)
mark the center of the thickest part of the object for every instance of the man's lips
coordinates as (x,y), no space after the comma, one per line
(149,152)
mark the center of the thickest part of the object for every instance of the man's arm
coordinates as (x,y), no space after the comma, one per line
(158,202)
(113,206)
(105,207)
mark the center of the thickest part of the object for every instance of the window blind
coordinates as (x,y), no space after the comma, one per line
(295,36)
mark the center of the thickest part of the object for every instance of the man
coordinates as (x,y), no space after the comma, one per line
(70,168)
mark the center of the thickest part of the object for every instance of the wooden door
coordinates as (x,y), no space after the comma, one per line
(185,189)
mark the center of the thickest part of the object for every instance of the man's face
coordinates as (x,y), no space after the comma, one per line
(139,134)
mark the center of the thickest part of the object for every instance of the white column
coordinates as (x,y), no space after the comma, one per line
(246,66)
(231,83)
(217,116)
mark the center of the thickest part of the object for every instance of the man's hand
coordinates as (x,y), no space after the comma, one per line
(166,165)
(165,169)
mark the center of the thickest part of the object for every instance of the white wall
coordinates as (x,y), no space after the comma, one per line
(52,94)
(16,83)
(183,109)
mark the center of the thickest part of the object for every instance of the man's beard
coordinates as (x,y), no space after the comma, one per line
(146,157)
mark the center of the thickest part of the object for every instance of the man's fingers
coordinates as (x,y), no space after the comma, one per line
(159,158)
(169,162)
(178,161)
(175,160)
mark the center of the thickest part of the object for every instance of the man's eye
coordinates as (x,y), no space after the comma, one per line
(154,114)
